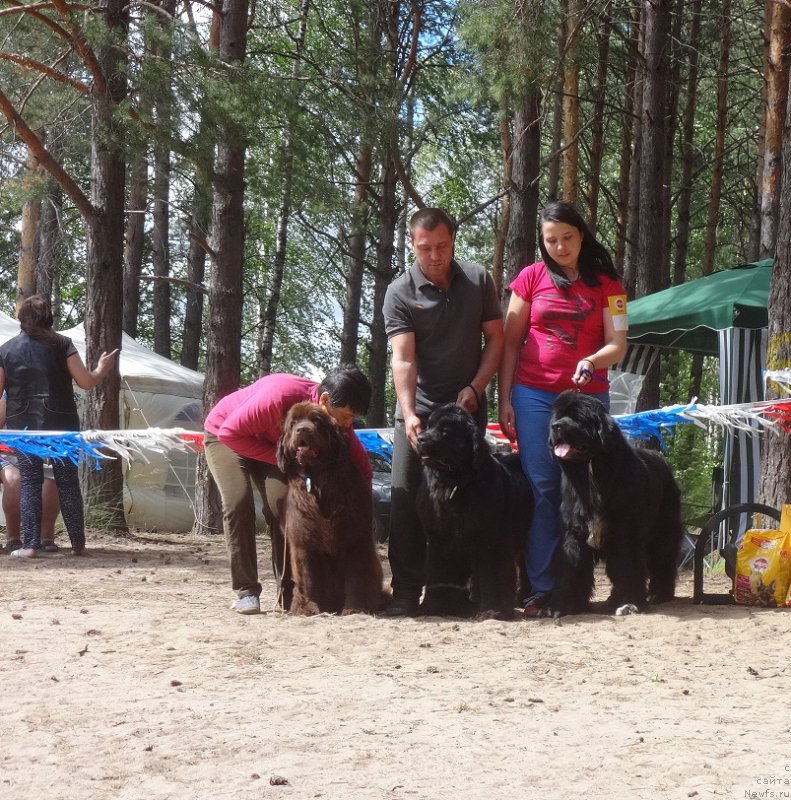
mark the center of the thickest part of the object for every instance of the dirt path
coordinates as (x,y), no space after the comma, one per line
(125,675)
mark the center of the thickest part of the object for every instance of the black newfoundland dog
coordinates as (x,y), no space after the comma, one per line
(620,504)
(475,508)
(327,518)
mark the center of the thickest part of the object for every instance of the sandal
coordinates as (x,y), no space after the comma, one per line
(12,544)
(49,546)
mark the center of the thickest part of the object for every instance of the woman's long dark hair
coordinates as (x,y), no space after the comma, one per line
(594,260)
(35,319)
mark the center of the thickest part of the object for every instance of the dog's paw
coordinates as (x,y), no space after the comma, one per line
(448,602)
(626,609)
(553,612)
(656,599)
(502,615)
(304,608)
(560,608)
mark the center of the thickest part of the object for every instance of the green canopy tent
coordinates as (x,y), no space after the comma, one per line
(722,314)
(691,315)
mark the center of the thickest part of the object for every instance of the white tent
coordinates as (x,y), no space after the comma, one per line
(8,327)
(155,393)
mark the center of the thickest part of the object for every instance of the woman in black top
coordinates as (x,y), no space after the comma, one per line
(36,371)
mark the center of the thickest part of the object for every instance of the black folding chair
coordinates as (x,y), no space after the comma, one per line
(731,517)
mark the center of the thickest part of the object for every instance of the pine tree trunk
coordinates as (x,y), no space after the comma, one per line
(200,223)
(50,255)
(355,270)
(652,159)
(631,257)
(225,297)
(779,39)
(403,236)
(160,234)
(571,104)
(776,450)
(671,127)
(696,377)
(525,172)
(383,276)
(683,204)
(105,245)
(652,169)
(160,250)
(369,35)
(135,241)
(269,317)
(597,128)
(754,242)
(269,321)
(224,336)
(715,193)
(630,124)
(501,233)
(29,233)
(553,176)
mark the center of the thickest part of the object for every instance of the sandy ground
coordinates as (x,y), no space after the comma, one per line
(125,675)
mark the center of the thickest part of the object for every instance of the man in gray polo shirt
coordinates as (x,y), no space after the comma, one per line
(444,322)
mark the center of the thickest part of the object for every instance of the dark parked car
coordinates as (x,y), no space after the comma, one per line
(380,486)
(378,444)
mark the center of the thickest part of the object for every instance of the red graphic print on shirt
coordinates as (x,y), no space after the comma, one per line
(564,318)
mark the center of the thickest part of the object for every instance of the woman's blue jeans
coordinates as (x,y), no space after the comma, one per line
(532,411)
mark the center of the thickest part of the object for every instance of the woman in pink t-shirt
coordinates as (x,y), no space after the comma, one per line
(566,324)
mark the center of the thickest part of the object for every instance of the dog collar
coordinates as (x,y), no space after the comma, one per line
(308,483)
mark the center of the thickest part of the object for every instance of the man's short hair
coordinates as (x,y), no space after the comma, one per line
(349,387)
(431,218)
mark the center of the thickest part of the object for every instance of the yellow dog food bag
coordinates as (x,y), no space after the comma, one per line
(785,525)
(763,568)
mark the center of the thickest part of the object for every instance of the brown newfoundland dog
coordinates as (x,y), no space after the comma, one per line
(619,504)
(326,518)
(475,509)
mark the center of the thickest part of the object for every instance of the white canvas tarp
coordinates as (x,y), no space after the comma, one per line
(8,327)
(155,393)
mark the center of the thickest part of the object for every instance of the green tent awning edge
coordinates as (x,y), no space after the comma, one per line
(688,316)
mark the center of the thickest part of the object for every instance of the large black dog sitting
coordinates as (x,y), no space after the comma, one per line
(475,508)
(620,504)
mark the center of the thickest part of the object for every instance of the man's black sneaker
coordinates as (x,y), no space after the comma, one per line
(403,607)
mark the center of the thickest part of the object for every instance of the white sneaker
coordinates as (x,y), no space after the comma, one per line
(249,604)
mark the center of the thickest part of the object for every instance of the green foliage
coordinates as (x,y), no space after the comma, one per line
(693,452)
(473,62)
(9,255)
(511,44)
